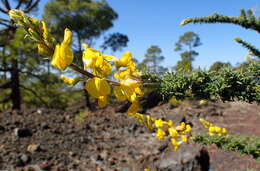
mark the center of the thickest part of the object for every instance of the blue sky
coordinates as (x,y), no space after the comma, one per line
(149,22)
(157,22)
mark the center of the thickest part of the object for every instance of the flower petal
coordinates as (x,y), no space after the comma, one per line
(102,101)
(119,93)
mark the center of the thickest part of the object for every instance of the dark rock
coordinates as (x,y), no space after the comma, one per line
(22,160)
(204,159)
(19,162)
(25,158)
(22,132)
(2,129)
(188,158)
(151,100)
(123,107)
(44,125)
(46,165)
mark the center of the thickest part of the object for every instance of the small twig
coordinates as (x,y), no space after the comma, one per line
(88,74)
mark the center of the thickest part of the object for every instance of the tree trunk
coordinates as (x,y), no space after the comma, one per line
(87,100)
(15,84)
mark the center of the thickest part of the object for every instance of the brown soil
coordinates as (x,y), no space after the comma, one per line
(106,140)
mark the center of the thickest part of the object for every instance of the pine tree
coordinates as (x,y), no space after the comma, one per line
(186,44)
(152,60)
(10,67)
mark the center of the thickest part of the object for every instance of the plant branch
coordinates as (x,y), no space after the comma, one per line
(250,47)
(88,74)
(217,18)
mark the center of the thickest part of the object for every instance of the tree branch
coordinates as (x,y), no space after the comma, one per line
(217,18)
(31,6)
(6,85)
(3,11)
(4,24)
(35,94)
(31,74)
(5,69)
(250,47)
(6,4)
(19,4)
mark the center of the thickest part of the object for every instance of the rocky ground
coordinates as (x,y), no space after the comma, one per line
(44,139)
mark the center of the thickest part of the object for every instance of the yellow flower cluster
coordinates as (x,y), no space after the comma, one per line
(128,87)
(97,67)
(178,134)
(213,129)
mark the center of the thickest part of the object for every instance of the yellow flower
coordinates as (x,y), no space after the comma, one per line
(98,88)
(90,57)
(205,123)
(16,15)
(139,91)
(125,60)
(149,122)
(181,127)
(67,37)
(160,134)
(128,89)
(184,138)
(211,134)
(43,49)
(63,55)
(70,81)
(224,131)
(96,61)
(159,123)
(102,101)
(173,132)
(119,93)
(217,129)
(133,108)
(176,148)
(175,144)
(45,30)
(173,101)
(170,123)
(202,102)
(123,74)
(212,129)
(188,128)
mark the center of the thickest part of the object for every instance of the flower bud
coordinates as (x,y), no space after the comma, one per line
(43,50)
(67,37)
(16,15)
(46,33)
(70,81)
(34,34)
